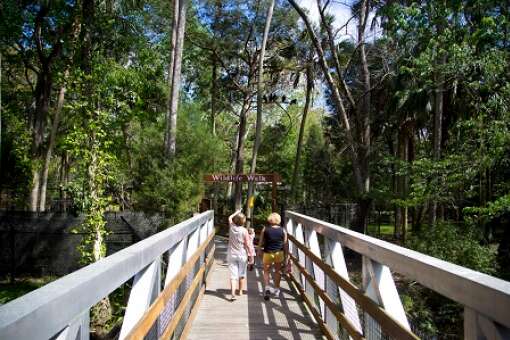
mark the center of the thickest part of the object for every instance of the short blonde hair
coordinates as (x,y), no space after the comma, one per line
(274,219)
(239,219)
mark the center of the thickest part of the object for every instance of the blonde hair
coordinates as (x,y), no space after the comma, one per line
(239,219)
(274,219)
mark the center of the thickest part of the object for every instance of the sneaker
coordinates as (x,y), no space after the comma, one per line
(267,294)
(276,291)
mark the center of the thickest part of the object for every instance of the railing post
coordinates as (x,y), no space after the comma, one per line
(203,236)
(479,327)
(379,286)
(141,296)
(301,255)
(318,274)
(210,225)
(77,330)
(290,231)
(335,257)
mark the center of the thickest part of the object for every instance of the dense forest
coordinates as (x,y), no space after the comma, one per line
(398,107)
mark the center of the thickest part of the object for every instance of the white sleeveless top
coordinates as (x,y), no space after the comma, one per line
(236,240)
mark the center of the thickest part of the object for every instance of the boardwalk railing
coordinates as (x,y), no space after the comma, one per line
(374,311)
(61,309)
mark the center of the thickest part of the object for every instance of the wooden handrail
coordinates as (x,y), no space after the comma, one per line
(317,316)
(145,323)
(185,299)
(353,332)
(194,310)
(388,324)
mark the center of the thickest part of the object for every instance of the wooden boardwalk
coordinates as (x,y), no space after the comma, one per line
(249,317)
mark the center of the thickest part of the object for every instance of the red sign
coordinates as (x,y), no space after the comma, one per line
(258,178)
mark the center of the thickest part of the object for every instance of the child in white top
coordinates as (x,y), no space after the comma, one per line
(238,252)
(251,251)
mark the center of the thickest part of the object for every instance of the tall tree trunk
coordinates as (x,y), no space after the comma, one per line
(215,66)
(214,93)
(180,25)
(297,159)
(51,144)
(171,62)
(437,134)
(397,213)
(42,103)
(0,116)
(398,185)
(336,97)
(258,124)
(240,152)
(56,119)
(64,180)
(364,119)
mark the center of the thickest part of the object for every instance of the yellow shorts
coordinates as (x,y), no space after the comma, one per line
(271,258)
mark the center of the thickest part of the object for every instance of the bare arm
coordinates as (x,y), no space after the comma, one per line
(232,216)
(285,245)
(261,239)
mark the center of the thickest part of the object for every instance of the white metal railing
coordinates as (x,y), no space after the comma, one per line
(486,299)
(60,310)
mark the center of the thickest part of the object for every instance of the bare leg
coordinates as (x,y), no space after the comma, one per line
(233,286)
(267,269)
(277,274)
(242,285)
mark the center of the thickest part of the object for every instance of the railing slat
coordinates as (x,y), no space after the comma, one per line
(316,314)
(339,317)
(175,260)
(318,274)
(477,326)
(141,297)
(337,261)
(382,282)
(77,330)
(290,231)
(301,255)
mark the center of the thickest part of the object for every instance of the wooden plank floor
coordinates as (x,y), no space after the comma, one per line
(249,317)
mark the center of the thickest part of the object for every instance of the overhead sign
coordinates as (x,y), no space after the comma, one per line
(258,178)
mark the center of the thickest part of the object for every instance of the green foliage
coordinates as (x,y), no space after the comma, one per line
(175,187)
(459,245)
(496,208)
(324,173)
(10,291)
(16,163)
(430,312)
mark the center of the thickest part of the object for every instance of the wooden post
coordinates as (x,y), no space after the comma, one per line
(12,244)
(273,193)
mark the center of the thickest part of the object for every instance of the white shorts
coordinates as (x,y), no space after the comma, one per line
(237,267)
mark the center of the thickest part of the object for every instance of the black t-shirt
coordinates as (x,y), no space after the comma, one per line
(273,239)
